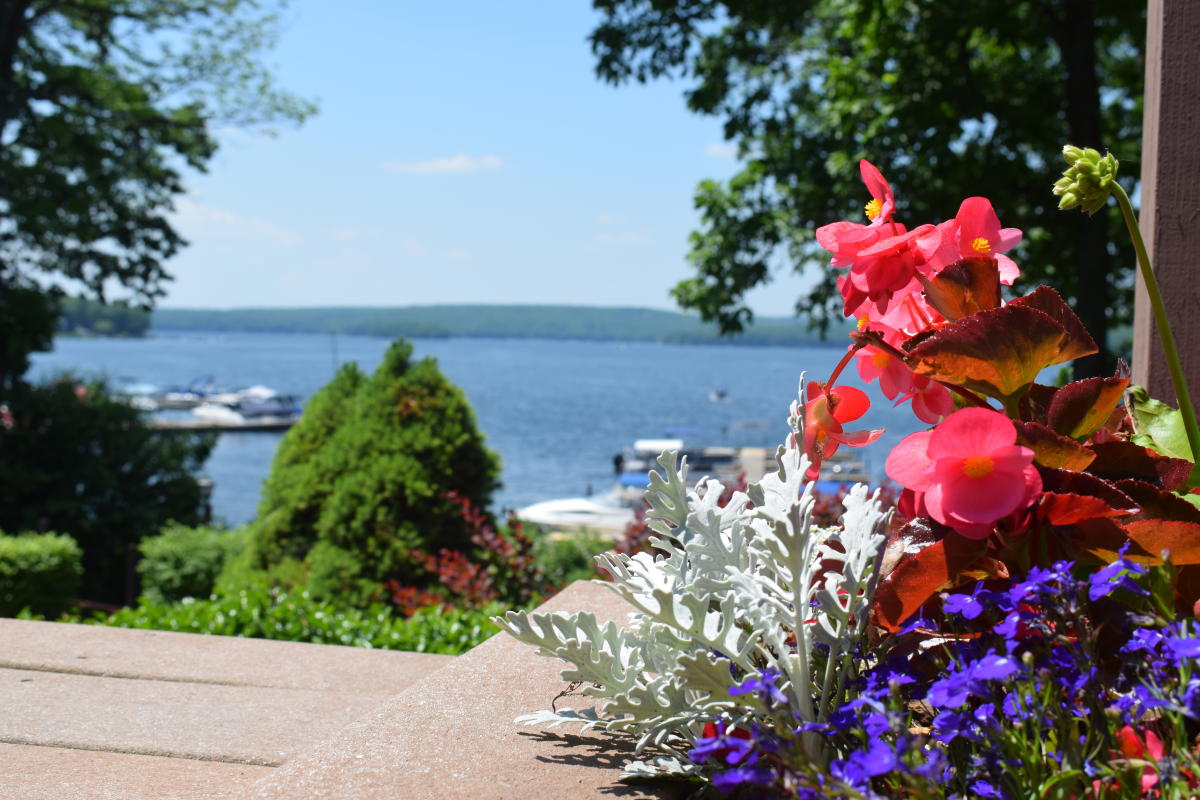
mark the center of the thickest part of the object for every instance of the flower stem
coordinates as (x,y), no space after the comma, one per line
(1182,396)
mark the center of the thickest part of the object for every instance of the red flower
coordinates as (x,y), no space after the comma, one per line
(1133,746)
(824,414)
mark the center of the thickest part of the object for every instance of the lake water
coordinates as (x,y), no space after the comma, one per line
(556,411)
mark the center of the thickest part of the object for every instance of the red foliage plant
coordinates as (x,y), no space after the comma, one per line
(502,569)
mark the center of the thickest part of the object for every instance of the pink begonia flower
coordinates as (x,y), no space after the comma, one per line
(889,264)
(847,239)
(894,375)
(968,472)
(883,202)
(973,233)
(930,400)
(910,312)
(824,414)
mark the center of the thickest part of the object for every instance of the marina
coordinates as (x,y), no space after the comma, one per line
(555,411)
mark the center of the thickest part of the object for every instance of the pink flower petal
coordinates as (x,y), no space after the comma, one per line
(874,180)
(978,500)
(971,432)
(833,235)
(856,438)
(908,464)
(932,403)
(1009,271)
(1009,238)
(977,220)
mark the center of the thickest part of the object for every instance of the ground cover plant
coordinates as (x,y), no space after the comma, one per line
(1022,625)
(273,612)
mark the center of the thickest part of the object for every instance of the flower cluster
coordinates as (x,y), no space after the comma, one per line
(1029,630)
(1012,472)
(1064,684)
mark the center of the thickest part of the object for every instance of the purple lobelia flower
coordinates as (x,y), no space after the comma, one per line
(764,683)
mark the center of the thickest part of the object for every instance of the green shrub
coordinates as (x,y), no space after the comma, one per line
(38,571)
(368,476)
(275,613)
(564,559)
(182,561)
(76,461)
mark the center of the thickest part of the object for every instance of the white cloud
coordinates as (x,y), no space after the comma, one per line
(628,237)
(193,217)
(721,150)
(346,233)
(411,247)
(456,163)
(456,254)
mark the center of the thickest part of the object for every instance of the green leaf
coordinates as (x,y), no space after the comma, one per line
(1158,426)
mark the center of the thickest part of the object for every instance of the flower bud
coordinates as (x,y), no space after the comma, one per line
(1087,181)
(1072,154)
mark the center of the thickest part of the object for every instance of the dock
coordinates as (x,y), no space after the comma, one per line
(255,425)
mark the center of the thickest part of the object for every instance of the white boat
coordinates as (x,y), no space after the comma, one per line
(257,405)
(578,514)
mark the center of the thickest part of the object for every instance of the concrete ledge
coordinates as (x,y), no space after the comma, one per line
(168,656)
(51,773)
(453,736)
(245,724)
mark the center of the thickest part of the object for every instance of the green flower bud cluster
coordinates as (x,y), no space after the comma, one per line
(1088,179)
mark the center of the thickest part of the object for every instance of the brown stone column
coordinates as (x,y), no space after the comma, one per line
(1170,193)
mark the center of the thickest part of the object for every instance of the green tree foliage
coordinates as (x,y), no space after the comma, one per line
(74,461)
(364,479)
(27,320)
(88,317)
(948,99)
(103,103)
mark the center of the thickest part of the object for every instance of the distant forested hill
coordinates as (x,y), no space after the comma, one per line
(488,321)
(83,317)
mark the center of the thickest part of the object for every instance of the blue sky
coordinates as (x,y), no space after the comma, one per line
(464,153)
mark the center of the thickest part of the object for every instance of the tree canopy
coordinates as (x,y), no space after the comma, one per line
(948,99)
(103,105)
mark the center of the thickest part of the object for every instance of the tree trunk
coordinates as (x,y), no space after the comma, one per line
(1076,38)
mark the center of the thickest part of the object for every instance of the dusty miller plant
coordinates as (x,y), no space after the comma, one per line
(751,588)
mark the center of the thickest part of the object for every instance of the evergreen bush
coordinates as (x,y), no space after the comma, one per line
(374,471)
(184,561)
(38,571)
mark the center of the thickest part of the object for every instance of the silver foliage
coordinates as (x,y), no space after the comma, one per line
(731,592)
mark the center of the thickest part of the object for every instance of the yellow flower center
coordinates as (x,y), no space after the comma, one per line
(981,245)
(874,208)
(880,359)
(977,466)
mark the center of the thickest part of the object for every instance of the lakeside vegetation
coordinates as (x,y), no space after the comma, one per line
(79,316)
(493,321)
